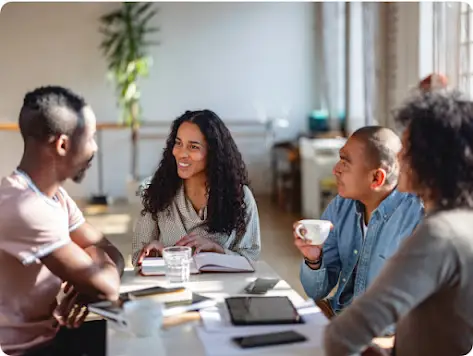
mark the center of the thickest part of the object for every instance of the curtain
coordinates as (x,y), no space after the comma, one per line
(354,94)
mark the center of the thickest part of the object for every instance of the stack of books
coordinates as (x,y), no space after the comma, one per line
(176,301)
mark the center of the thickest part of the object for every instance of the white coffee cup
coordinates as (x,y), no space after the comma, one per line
(316,231)
(144,317)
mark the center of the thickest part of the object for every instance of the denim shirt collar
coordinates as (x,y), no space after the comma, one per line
(386,207)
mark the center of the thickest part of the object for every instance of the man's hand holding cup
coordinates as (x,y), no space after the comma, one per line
(309,237)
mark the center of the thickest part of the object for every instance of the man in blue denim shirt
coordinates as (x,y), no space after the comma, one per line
(370,219)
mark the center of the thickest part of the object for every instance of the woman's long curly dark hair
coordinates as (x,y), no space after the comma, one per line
(226,175)
(440,146)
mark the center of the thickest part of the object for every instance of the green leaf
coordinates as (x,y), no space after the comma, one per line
(142,66)
(110,42)
(130,92)
(127,36)
(107,31)
(111,17)
(147,18)
(142,8)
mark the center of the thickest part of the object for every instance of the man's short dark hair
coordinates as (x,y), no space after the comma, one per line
(440,145)
(382,146)
(50,111)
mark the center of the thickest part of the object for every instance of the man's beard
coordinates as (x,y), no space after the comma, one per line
(79,177)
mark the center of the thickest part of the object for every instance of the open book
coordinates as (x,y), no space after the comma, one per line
(202,262)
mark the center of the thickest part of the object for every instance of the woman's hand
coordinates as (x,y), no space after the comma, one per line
(200,244)
(153,249)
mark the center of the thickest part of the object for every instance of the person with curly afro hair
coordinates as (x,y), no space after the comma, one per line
(426,288)
(199,196)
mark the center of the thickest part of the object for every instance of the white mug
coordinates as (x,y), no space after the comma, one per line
(316,231)
(144,317)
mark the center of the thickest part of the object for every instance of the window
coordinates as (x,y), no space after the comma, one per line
(466,49)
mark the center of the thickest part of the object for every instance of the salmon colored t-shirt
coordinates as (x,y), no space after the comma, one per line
(32,225)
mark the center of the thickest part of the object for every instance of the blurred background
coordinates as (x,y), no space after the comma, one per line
(291,80)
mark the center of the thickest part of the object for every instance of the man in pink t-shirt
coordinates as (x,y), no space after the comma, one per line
(44,239)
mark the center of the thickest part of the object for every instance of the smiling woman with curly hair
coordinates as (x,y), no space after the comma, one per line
(199,196)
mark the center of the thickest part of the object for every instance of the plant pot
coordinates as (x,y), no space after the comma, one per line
(99,200)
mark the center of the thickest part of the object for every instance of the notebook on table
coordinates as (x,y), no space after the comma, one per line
(202,262)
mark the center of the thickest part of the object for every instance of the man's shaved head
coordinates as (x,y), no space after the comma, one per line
(382,146)
(50,111)
(58,129)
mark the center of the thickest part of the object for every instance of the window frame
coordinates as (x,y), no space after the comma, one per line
(465,49)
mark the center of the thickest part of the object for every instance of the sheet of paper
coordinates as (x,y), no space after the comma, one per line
(221,344)
(217,319)
(217,261)
(217,331)
(153,262)
(153,266)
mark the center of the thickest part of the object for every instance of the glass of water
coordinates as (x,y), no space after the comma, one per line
(178,260)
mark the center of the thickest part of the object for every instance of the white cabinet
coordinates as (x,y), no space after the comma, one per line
(318,157)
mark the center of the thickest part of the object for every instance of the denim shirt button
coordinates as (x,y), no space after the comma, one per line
(344,280)
(355,252)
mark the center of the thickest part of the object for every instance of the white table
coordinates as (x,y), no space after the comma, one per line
(183,339)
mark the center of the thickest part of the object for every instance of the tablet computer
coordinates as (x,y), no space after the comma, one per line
(262,311)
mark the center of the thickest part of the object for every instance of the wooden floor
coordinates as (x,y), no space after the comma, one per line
(276,234)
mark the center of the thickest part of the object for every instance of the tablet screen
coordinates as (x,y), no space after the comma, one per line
(262,310)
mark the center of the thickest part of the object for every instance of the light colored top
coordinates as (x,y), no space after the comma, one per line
(181,219)
(32,225)
(426,288)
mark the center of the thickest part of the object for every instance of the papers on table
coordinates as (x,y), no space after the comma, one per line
(217,262)
(217,319)
(217,331)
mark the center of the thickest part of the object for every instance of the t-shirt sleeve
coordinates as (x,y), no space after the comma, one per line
(33,229)
(76,218)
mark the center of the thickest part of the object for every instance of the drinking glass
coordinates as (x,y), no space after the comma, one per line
(177,260)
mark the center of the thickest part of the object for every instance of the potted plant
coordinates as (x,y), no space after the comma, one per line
(125,46)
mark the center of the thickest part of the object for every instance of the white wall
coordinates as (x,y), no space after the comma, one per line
(234,58)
